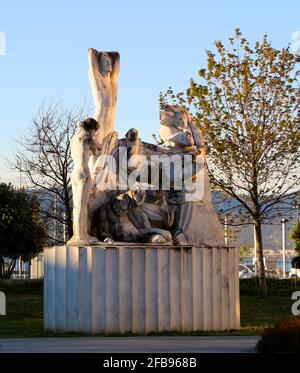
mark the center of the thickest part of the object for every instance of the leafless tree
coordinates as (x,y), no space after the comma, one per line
(45,159)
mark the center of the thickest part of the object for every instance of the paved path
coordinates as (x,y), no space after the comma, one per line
(130,344)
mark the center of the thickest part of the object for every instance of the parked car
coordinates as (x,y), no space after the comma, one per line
(245,271)
(294,273)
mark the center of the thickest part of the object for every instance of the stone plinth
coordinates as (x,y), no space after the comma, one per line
(141,289)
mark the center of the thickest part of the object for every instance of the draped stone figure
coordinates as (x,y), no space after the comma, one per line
(125,218)
(178,130)
(196,222)
(103,74)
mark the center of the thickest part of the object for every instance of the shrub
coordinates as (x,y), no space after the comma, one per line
(283,337)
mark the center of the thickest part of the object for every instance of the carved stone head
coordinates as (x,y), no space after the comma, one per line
(134,197)
(176,116)
(89,125)
(132,135)
(137,194)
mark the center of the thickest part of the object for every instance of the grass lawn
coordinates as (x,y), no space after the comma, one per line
(258,313)
(25,315)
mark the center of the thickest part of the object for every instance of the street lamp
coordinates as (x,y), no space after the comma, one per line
(283,247)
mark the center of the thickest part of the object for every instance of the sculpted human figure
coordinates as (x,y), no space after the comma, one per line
(178,130)
(104,170)
(83,145)
(124,219)
(103,73)
(196,221)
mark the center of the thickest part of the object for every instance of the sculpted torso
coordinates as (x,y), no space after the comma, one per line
(82,147)
(103,73)
(81,151)
(175,129)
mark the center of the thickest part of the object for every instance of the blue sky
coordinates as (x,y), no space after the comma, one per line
(161,43)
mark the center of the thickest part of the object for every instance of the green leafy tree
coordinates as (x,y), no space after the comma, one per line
(22,234)
(295,236)
(247,105)
(245,251)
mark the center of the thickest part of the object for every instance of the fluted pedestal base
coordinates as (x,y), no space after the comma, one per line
(141,289)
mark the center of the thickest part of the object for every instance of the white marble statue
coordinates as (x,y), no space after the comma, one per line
(103,74)
(178,130)
(125,219)
(196,222)
(83,145)
(103,206)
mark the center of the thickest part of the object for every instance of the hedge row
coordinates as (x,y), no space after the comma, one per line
(276,287)
(21,285)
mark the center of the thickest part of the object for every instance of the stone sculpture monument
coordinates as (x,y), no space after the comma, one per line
(148,251)
(116,214)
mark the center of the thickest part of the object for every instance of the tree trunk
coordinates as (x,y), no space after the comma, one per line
(11,268)
(1,267)
(260,256)
(68,212)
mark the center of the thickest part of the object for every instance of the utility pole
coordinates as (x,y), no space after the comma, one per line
(20,267)
(283,247)
(226,230)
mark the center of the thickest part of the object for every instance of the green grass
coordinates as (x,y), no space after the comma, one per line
(25,315)
(258,313)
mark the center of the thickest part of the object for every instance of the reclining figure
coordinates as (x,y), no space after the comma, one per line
(124,219)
